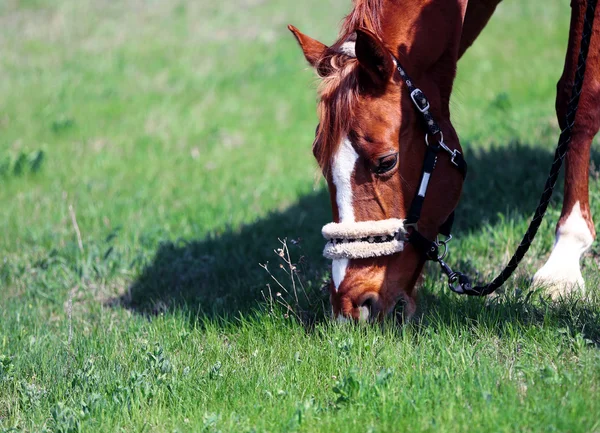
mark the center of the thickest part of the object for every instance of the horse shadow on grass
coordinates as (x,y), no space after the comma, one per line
(221,274)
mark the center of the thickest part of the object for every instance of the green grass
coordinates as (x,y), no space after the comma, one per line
(179,133)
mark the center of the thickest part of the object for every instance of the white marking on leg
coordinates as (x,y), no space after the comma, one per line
(573,238)
(342,168)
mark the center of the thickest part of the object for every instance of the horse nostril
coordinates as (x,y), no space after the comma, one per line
(369,307)
(368,303)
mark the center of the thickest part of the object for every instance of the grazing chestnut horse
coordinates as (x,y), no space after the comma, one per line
(372,144)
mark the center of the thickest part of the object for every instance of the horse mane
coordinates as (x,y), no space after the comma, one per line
(366,14)
(339,87)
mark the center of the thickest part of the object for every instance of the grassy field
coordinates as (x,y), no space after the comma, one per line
(152,153)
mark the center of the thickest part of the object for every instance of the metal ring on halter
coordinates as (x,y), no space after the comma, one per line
(441,140)
(452,152)
(444,244)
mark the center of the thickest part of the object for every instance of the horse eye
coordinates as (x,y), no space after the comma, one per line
(386,163)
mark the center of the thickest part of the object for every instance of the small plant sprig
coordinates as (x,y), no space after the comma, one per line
(295,299)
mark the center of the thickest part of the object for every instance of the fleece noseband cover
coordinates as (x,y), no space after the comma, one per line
(364,239)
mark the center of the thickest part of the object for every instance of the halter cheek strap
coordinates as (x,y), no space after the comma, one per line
(427,248)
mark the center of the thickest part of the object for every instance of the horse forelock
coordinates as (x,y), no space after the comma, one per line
(339,88)
(338,92)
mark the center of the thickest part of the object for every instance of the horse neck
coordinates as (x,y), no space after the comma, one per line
(425,36)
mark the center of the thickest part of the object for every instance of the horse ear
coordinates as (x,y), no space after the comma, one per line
(313,49)
(373,57)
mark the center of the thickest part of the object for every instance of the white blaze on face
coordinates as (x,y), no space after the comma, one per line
(342,168)
(338,271)
(573,238)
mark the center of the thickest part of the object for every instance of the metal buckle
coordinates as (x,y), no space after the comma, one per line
(409,226)
(413,96)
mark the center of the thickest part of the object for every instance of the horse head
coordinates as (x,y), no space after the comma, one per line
(371,143)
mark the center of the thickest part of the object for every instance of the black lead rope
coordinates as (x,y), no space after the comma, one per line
(459,283)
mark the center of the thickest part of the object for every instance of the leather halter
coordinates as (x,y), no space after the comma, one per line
(380,238)
(386,237)
(430,249)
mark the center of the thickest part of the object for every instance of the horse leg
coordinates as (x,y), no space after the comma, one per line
(575,230)
(477,16)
